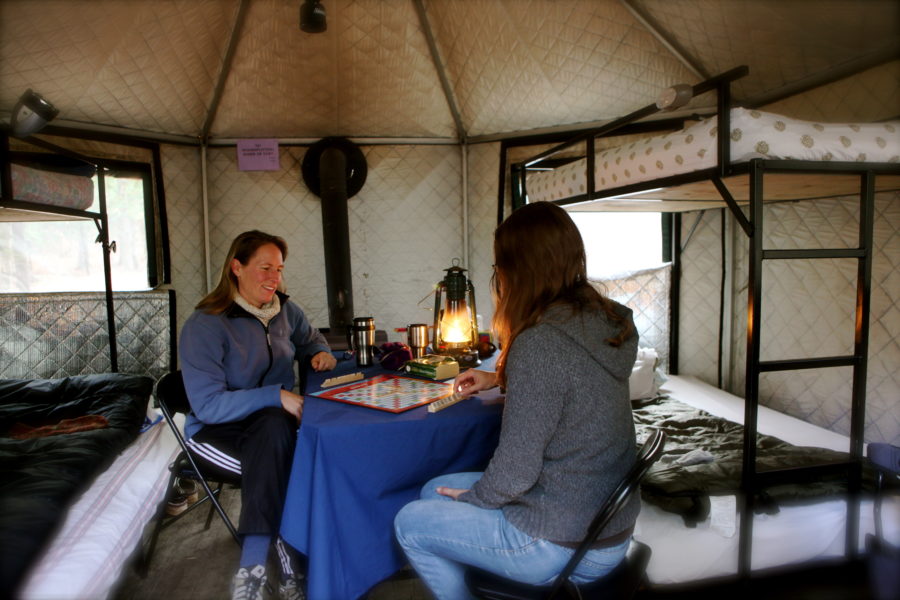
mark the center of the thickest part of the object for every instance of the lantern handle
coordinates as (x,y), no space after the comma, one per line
(427,296)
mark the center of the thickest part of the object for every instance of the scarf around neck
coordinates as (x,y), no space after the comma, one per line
(264,313)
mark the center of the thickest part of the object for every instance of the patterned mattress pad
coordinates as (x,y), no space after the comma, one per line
(754,134)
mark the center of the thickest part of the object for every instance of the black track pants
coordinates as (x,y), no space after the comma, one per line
(261,449)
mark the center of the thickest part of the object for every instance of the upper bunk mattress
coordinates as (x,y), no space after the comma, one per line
(754,134)
(52,188)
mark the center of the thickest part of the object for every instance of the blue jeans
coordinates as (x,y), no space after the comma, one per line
(441,536)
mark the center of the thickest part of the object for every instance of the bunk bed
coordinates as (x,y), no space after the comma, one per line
(85,462)
(792,529)
(57,185)
(721,161)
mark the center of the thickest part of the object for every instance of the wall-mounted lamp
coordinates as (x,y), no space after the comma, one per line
(675,97)
(30,114)
(312,17)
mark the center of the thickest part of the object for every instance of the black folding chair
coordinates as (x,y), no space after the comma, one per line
(172,399)
(621,582)
(883,555)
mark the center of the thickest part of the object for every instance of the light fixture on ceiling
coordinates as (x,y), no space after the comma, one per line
(312,17)
(31,113)
(675,97)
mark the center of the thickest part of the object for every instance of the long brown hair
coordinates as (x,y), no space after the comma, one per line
(242,248)
(539,261)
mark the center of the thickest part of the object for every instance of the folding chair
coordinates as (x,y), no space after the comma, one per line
(172,399)
(884,576)
(621,582)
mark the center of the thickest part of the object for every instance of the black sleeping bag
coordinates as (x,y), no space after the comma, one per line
(684,487)
(41,477)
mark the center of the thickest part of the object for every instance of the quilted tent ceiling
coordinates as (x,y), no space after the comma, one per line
(420,69)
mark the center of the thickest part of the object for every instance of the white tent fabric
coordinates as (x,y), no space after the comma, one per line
(193,71)
(155,67)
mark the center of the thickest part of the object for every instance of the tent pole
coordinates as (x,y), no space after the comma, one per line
(464,158)
(204,186)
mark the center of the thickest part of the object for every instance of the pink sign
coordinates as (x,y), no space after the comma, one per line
(258,155)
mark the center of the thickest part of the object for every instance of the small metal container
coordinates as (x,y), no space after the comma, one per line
(362,340)
(417,337)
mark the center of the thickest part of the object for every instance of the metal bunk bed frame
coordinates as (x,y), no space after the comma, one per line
(752,480)
(100,218)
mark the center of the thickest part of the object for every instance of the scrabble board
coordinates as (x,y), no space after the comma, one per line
(391,393)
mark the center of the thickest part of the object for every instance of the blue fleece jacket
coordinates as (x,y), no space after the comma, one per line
(233,365)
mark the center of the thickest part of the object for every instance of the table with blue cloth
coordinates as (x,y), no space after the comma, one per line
(355,467)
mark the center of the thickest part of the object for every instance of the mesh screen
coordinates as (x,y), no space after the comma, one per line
(45,336)
(646,293)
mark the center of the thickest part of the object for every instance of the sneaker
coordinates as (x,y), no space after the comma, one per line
(176,505)
(187,488)
(184,493)
(248,584)
(291,588)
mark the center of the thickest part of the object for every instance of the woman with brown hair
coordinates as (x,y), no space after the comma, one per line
(567,436)
(237,359)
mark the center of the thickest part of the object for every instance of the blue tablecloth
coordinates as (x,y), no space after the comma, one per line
(356,467)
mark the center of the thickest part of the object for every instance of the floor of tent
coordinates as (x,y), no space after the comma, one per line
(192,563)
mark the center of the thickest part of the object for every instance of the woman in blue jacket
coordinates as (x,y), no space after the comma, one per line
(237,354)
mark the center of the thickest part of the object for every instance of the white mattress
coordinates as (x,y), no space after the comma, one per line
(795,534)
(103,528)
(754,134)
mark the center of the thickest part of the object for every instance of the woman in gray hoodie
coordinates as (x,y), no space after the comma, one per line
(567,437)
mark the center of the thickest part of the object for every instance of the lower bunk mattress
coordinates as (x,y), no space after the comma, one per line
(89,553)
(84,469)
(797,530)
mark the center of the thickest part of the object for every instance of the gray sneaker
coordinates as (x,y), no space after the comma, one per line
(291,588)
(248,584)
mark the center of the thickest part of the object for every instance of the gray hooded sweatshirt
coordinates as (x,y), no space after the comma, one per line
(567,435)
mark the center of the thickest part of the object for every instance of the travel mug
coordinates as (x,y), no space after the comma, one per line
(417,336)
(363,340)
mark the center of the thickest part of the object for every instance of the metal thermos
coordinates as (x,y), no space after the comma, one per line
(363,340)
(417,336)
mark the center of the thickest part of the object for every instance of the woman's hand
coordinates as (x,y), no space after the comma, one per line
(450,492)
(292,403)
(473,381)
(323,361)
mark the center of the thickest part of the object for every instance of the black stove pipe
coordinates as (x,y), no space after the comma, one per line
(335,170)
(336,237)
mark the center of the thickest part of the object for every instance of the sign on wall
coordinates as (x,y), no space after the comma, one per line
(258,155)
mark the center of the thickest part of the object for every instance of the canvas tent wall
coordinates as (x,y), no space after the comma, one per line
(151,70)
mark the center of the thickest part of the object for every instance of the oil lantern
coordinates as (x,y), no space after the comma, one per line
(455,320)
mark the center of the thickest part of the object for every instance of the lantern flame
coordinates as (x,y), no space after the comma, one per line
(456,327)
